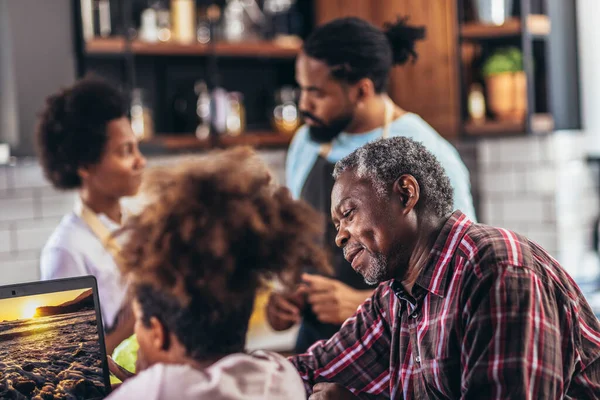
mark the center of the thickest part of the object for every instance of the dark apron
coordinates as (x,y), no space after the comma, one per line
(317,192)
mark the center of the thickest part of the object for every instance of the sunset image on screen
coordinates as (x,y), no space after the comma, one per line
(26,307)
(30,309)
(49,347)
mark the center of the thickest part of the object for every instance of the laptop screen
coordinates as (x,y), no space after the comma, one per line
(50,346)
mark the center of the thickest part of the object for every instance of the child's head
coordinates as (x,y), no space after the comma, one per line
(213,231)
(85,140)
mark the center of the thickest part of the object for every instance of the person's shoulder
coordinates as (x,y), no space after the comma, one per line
(70,234)
(411,124)
(415,127)
(496,256)
(301,136)
(258,361)
(269,355)
(276,359)
(300,140)
(492,252)
(71,250)
(489,245)
(146,384)
(283,375)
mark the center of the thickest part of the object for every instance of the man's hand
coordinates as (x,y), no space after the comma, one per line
(331,391)
(332,301)
(283,310)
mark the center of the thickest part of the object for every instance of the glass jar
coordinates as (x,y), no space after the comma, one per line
(286,116)
(236,115)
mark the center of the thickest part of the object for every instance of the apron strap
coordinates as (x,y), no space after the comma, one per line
(112,246)
(98,228)
(325,148)
(389,117)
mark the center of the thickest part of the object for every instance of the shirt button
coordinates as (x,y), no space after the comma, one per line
(415,316)
(418,359)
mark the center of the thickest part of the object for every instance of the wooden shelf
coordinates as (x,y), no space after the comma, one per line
(189,142)
(267,49)
(537,25)
(493,128)
(540,123)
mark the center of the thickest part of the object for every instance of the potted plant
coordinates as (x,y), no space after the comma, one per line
(506,84)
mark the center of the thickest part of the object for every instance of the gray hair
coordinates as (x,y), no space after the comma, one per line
(385,160)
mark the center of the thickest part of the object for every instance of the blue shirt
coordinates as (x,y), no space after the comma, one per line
(303,153)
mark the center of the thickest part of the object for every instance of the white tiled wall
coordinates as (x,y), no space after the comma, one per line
(14,207)
(5,241)
(23,226)
(3,183)
(30,209)
(542,187)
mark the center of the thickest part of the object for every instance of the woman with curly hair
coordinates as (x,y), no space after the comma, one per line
(213,232)
(85,143)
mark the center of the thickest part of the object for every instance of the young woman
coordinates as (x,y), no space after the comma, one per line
(213,232)
(86,144)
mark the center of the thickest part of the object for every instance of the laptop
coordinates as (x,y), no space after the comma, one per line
(52,341)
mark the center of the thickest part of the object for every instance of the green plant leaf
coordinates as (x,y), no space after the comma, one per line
(507,59)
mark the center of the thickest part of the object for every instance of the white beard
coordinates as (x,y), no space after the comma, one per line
(377,271)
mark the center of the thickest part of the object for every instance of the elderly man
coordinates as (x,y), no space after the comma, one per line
(464,311)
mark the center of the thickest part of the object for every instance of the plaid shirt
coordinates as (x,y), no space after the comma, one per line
(492,316)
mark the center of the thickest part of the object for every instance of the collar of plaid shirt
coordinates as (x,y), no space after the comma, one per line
(493,317)
(434,276)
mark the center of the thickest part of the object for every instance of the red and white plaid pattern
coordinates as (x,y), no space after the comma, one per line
(492,316)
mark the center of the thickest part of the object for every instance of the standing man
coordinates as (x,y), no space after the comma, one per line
(343,74)
(464,311)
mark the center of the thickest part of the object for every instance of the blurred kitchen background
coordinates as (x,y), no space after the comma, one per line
(514,84)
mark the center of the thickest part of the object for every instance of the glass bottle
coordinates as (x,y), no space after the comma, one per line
(149,26)
(141,116)
(104,21)
(236,115)
(476,103)
(202,110)
(184,20)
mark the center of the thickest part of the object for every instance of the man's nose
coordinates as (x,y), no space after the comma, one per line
(304,104)
(342,236)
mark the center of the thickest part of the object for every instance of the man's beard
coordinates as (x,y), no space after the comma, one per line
(325,133)
(382,268)
(377,271)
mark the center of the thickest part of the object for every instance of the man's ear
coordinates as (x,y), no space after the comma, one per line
(408,190)
(365,88)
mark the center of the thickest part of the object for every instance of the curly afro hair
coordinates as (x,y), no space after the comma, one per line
(213,230)
(71,132)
